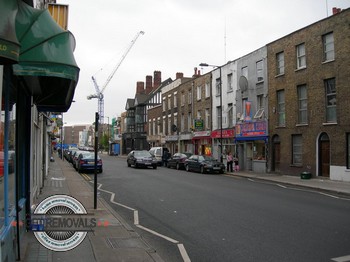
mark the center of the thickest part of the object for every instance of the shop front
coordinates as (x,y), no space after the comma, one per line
(186,143)
(228,142)
(202,143)
(172,143)
(252,139)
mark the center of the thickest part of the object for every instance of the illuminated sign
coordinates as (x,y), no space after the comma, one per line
(251,129)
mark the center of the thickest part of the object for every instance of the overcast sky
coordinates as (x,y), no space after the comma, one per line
(179,35)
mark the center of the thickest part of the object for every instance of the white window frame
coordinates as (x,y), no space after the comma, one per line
(301,56)
(328,47)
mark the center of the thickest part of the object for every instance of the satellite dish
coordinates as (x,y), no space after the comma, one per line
(243,83)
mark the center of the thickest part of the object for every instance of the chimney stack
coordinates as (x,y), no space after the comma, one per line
(149,84)
(157,79)
(179,75)
(140,87)
(196,72)
(336,10)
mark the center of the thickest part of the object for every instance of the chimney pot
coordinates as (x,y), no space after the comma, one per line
(179,75)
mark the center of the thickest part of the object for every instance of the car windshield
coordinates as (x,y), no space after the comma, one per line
(88,155)
(142,154)
(206,158)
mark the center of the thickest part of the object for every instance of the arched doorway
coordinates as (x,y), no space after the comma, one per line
(324,155)
(276,153)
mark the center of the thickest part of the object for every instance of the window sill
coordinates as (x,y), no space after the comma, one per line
(330,124)
(328,61)
(280,127)
(300,68)
(280,75)
(299,125)
(296,165)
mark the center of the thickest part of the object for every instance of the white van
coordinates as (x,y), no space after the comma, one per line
(158,153)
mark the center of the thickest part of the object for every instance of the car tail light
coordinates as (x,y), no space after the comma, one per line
(100,161)
(82,161)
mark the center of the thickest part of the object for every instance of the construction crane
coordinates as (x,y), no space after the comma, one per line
(99,91)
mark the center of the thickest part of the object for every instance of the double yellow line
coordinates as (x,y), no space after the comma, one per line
(86,177)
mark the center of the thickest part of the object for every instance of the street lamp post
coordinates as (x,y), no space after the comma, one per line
(220,84)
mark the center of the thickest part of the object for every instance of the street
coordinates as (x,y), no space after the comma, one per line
(220,218)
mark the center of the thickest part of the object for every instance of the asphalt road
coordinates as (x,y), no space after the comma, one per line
(221,218)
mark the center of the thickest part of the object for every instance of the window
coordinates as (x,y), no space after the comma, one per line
(302,105)
(331,101)
(169,102)
(297,149)
(230,115)
(281,108)
(182,129)
(301,57)
(328,47)
(260,71)
(244,72)
(189,97)
(218,116)
(199,114)
(189,121)
(169,125)
(207,90)
(150,127)
(182,99)
(348,151)
(175,99)
(207,118)
(164,124)
(199,93)
(260,107)
(164,105)
(229,83)
(280,63)
(158,125)
(218,87)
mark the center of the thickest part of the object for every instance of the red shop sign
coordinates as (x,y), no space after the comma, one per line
(226,133)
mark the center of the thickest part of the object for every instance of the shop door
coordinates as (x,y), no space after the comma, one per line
(325,158)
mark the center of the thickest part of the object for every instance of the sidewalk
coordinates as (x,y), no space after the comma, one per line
(321,184)
(115,242)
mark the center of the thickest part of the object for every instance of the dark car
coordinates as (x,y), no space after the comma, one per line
(204,164)
(141,158)
(86,161)
(74,157)
(178,160)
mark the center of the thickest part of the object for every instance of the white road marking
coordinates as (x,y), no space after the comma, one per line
(251,180)
(328,195)
(281,186)
(342,259)
(180,246)
(183,253)
(158,234)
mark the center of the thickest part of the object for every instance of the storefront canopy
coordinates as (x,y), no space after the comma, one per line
(46,68)
(9,46)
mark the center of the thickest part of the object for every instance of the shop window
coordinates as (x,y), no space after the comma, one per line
(259,150)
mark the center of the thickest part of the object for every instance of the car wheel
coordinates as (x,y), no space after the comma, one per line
(129,165)
(168,166)
(100,171)
(155,167)
(202,170)
(177,166)
(187,168)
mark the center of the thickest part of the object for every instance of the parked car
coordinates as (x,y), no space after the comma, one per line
(204,164)
(74,157)
(86,161)
(159,153)
(178,160)
(141,158)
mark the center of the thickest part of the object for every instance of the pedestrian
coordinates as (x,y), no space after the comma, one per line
(229,162)
(235,159)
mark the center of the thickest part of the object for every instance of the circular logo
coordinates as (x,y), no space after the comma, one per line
(60,222)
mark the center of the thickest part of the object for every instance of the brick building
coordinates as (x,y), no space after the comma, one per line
(309,119)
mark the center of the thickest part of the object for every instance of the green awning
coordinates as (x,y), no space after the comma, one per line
(46,67)
(9,46)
